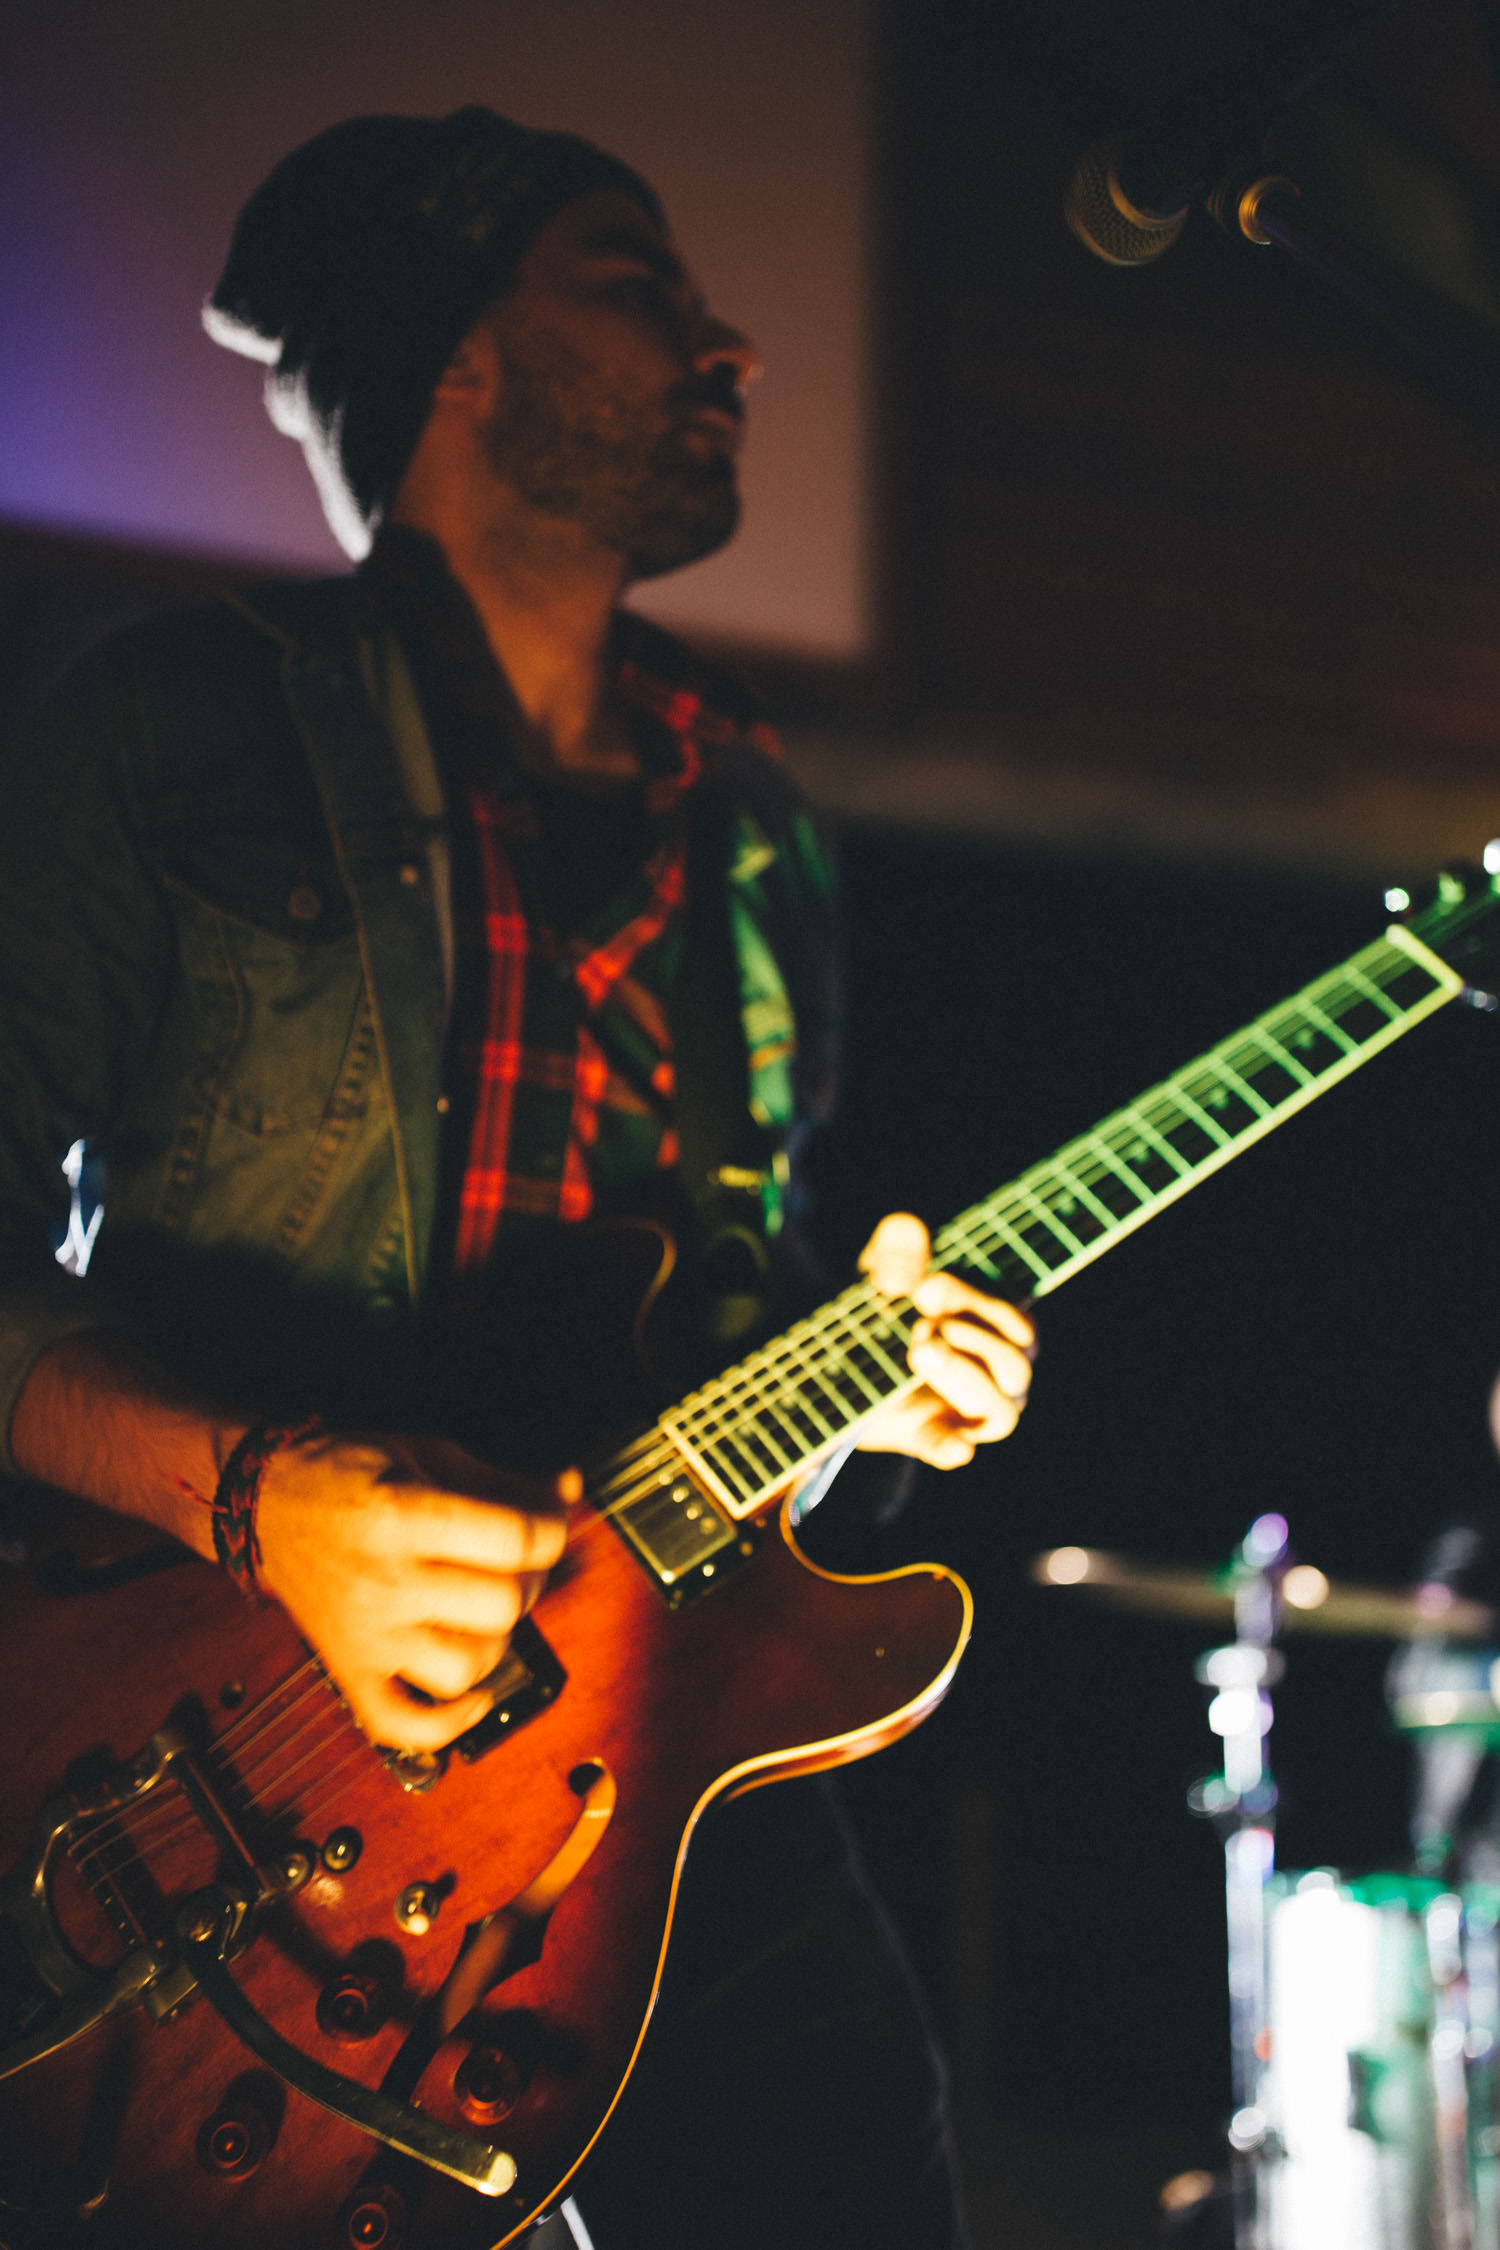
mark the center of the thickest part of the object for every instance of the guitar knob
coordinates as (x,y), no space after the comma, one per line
(352,2007)
(375,2219)
(342,1850)
(489,2082)
(417,1907)
(233,2141)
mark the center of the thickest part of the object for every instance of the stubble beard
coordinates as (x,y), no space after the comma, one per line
(617,465)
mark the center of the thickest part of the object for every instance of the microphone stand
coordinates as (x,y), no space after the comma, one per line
(1455,343)
(1241,1802)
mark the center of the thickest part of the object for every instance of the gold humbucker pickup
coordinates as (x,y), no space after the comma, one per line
(684,1538)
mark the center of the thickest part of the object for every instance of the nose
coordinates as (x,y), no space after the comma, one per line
(719,345)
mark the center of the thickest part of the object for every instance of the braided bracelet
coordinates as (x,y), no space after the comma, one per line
(237,1494)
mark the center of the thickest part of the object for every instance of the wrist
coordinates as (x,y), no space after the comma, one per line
(236,1498)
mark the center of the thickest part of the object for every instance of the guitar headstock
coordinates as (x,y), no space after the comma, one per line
(1460,921)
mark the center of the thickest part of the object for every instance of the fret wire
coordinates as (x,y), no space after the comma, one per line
(1036,1272)
(814,1370)
(725,1470)
(848,1412)
(966,1233)
(720,1405)
(1120,1168)
(1039,1270)
(1372,991)
(958,1237)
(859,1377)
(1074,1180)
(1128,1128)
(1350,1046)
(1179,1164)
(1204,1118)
(808,1368)
(717,1428)
(1054,1225)
(734,1399)
(869,1344)
(1242,1086)
(809,1371)
(766,1438)
(799,1439)
(1275,1051)
(717,1396)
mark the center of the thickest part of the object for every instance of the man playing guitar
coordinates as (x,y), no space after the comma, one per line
(327,1127)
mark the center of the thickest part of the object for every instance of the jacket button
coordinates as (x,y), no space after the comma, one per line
(304,904)
(411,874)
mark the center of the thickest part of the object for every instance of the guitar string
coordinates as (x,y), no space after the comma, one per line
(219,1751)
(824,1349)
(147,1812)
(324,1791)
(764,1384)
(726,1408)
(735,1415)
(96,1866)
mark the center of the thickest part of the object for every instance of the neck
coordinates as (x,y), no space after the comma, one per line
(546,599)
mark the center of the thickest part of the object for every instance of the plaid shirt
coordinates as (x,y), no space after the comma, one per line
(560,1077)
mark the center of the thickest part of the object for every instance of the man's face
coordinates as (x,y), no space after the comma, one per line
(620,406)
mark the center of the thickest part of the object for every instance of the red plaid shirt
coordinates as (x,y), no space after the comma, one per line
(560,1075)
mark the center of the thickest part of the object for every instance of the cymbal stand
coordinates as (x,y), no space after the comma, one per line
(1241,1803)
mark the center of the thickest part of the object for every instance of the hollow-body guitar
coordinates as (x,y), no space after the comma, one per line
(263,1983)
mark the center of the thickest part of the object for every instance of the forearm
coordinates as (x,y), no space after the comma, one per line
(99,1419)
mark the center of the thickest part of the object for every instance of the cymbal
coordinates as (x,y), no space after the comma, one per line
(1311,1603)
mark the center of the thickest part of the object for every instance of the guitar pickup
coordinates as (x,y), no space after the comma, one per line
(683,1537)
(527,1678)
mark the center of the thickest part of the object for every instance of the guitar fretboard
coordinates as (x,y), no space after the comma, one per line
(751,1431)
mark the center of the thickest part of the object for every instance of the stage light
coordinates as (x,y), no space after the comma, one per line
(1067,1566)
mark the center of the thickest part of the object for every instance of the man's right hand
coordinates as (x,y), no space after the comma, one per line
(401,1559)
(407,1562)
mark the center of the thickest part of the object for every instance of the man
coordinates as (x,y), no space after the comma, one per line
(374,905)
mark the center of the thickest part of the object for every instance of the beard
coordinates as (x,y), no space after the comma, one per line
(619,464)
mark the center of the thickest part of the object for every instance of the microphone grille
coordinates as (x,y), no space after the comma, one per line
(1104,218)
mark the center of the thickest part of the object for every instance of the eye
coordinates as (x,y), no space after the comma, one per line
(647,289)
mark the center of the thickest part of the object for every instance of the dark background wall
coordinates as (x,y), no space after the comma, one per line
(1184,591)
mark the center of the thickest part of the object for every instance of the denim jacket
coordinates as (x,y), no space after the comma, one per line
(225,965)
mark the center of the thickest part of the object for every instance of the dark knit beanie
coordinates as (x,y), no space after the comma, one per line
(358,266)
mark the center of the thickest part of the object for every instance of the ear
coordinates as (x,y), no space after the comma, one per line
(472,376)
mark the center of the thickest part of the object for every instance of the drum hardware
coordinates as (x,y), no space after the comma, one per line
(1309,1602)
(1364,2010)
(1241,1802)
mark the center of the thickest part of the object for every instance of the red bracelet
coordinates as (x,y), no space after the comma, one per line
(237,1494)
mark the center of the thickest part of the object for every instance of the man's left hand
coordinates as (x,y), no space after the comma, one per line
(972,1352)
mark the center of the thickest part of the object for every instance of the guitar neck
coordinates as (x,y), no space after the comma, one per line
(753,1430)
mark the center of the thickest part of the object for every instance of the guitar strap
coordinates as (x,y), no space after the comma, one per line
(725,1158)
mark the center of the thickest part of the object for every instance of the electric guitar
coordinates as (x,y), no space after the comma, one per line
(263,1983)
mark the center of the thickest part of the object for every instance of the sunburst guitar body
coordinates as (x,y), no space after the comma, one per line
(262,1984)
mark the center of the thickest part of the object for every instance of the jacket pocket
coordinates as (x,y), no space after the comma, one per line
(272,1016)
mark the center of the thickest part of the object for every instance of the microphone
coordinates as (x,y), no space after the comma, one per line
(1130,194)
